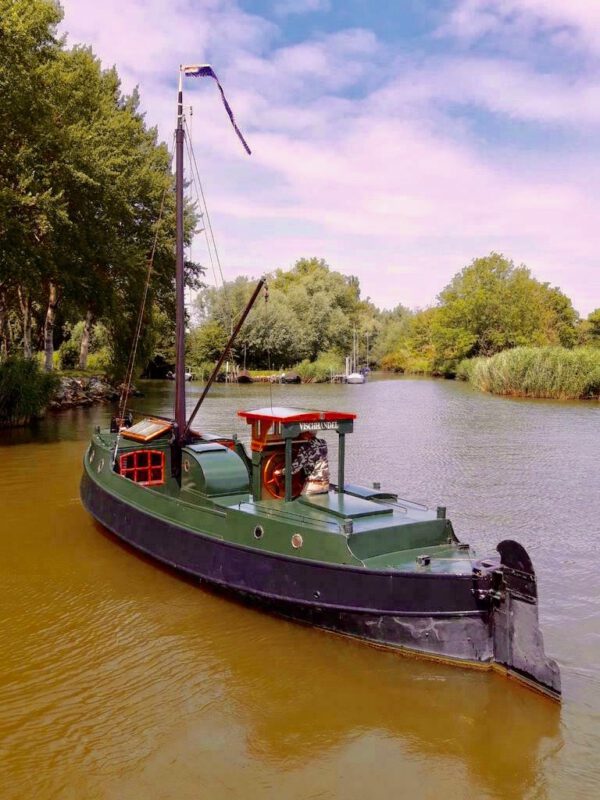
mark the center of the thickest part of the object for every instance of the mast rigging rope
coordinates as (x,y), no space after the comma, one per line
(138,328)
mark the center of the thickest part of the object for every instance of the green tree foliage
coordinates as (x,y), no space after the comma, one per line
(30,205)
(588,330)
(406,345)
(594,323)
(489,306)
(68,353)
(83,183)
(311,309)
(321,369)
(206,342)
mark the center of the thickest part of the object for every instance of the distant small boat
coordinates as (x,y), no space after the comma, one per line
(291,377)
(244,377)
(189,376)
(355,377)
(352,363)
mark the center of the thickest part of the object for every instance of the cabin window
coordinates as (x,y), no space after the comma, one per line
(146,467)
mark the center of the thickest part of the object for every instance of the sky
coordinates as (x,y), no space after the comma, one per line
(396,139)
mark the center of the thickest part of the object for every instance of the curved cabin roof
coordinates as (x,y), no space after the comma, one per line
(287,415)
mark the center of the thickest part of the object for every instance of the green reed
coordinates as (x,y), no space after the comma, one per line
(25,390)
(549,372)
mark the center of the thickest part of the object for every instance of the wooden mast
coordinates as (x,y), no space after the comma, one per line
(180,419)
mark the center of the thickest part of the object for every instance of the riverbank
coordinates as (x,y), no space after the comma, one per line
(554,373)
(82,391)
(27,393)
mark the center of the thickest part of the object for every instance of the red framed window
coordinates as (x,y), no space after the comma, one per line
(146,467)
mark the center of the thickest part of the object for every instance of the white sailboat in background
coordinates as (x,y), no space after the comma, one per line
(351,363)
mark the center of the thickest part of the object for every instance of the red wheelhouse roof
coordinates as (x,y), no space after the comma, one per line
(282,414)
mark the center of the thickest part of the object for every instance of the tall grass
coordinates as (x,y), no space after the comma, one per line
(25,391)
(545,372)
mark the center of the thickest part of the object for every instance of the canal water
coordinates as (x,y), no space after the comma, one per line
(120,680)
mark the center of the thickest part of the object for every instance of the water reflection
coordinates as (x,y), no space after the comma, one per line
(307,696)
(301,693)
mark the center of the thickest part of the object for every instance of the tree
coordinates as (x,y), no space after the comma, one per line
(492,305)
(30,204)
(206,342)
(594,329)
(85,187)
(588,330)
(406,344)
(311,310)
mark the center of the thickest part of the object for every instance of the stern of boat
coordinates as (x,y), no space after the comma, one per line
(509,584)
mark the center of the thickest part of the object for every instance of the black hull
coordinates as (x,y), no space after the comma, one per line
(438,616)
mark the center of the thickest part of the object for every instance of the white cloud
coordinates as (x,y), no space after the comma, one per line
(567,23)
(501,86)
(148,39)
(379,181)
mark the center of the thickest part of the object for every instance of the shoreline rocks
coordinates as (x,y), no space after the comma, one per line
(84,391)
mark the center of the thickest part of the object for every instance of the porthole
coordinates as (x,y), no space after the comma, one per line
(297,541)
(186,465)
(259,532)
(100,466)
(92,454)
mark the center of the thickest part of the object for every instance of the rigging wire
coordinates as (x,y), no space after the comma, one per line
(200,200)
(211,244)
(138,328)
(269,353)
(209,228)
(203,212)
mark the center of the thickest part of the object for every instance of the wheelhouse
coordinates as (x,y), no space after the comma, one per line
(277,434)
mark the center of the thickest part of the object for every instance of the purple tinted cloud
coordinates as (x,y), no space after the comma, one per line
(366,153)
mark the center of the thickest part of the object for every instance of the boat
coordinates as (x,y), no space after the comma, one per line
(355,377)
(188,375)
(271,527)
(290,377)
(244,376)
(353,374)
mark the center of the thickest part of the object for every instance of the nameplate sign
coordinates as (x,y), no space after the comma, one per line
(318,426)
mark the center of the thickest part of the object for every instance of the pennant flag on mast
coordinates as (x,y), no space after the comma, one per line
(206,71)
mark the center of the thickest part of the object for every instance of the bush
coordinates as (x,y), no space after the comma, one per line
(320,370)
(40,359)
(68,354)
(201,369)
(550,372)
(25,391)
(99,361)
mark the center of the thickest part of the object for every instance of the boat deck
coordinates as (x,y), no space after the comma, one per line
(445,559)
(383,536)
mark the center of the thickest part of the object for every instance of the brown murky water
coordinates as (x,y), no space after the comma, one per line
(120,680)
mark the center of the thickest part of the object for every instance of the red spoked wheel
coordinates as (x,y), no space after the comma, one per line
(274,477)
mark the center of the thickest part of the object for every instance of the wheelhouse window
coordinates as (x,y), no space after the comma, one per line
(146,467)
